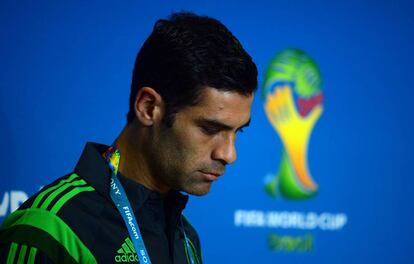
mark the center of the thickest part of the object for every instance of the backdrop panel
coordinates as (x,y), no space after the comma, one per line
(344,69)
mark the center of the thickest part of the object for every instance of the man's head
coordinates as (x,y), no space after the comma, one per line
(191,92)
(186,53)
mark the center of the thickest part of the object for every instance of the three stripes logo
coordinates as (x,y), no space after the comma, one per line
(126,253)
(61,193)
(21,253)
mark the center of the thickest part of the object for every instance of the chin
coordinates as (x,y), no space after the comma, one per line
(199,190)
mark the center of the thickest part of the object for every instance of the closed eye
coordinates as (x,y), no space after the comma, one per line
(212,127)
(208,130)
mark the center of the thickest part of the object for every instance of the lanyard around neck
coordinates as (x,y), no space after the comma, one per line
(118,196)
(121,201)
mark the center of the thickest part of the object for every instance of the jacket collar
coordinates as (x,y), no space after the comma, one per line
(93,167)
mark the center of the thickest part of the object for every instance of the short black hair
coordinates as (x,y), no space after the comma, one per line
(186,53)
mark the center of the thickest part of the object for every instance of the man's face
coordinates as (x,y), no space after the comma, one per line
(194,152)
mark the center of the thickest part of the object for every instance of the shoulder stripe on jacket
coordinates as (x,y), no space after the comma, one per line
(45,199)
(69,196)
(50,189)
(60,190)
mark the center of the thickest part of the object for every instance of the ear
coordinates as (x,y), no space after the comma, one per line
(149,106)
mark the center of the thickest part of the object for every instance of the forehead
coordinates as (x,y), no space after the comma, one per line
(229,107)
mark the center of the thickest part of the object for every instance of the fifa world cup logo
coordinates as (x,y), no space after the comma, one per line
(293,105)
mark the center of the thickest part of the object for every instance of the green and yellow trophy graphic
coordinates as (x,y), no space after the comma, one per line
(293,104)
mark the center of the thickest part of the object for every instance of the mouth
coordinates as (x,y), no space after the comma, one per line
(211,176)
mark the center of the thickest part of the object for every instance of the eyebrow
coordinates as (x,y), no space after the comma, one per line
(219,125)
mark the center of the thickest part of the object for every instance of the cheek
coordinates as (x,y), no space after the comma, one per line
(178,150)
(190,147)
(196,145)
(189,154)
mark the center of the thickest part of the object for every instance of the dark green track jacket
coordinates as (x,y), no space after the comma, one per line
(73,220)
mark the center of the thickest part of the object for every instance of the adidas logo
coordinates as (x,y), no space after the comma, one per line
(126,253)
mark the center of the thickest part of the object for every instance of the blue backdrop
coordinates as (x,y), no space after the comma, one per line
(63,64)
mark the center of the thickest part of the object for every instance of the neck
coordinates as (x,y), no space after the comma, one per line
(134,163)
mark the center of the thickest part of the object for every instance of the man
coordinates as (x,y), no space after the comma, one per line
(191,93)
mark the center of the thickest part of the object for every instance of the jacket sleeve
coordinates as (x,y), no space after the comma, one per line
(22,254)
(36,230)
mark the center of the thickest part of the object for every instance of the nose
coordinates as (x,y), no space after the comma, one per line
(225,150)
